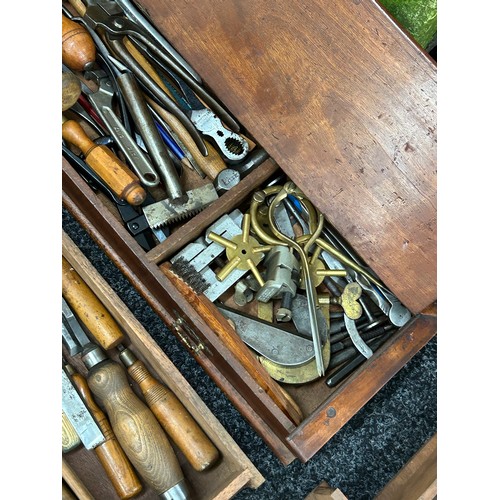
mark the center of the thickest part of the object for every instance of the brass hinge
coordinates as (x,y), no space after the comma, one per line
(188,335)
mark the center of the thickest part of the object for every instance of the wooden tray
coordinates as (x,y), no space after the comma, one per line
(234,470)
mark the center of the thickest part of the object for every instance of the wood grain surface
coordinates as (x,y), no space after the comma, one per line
(346,105)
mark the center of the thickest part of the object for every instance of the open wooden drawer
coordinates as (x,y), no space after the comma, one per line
(232,472)
(344,103)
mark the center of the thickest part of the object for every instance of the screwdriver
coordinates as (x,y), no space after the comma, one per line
(170,412)
(172,415)
(111,455)
(136,428)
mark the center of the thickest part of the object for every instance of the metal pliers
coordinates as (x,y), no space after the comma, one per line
(232,145)
(132,217)
(108,18)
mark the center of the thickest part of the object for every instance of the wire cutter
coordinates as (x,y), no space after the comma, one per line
(232,145)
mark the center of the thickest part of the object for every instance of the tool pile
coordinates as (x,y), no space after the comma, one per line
(141,128)
(291,287)
(139,125)
(132,437)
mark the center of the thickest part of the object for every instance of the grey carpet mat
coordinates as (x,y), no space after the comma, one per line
(360,459)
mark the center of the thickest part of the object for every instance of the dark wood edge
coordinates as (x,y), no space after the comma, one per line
(361,386)
(255,405)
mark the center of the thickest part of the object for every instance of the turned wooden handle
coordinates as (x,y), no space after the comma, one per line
(74,482)
(111,455)
(89,309)
(136,428)
(67,494)
(78,47)
(71,90)
(175,419)
(120,179)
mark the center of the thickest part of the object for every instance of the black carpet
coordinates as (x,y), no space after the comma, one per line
(360,459)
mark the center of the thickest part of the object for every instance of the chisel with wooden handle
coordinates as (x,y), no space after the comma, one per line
(70,438)
(135,426)
(89,309)
(175,419)
(111,455)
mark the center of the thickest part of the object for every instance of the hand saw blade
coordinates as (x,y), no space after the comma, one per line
(169,211)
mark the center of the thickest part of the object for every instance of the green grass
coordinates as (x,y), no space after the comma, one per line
(418,17)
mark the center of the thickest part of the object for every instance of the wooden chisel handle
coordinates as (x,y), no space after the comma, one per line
(89,309)
(136,428)
(120,179)
(78,48)
(111,455)
(74,482)
(177,422)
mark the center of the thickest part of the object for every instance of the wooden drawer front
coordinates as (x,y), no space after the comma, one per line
(234,470)
(346,105)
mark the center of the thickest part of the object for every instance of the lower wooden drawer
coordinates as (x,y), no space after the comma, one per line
(205,332)
(230,474)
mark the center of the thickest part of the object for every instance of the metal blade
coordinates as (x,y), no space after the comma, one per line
(78,414)
(168,211)
(73,326)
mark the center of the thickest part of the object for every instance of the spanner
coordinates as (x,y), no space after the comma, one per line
(102,101)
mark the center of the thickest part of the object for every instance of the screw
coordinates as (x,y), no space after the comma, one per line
(331,412)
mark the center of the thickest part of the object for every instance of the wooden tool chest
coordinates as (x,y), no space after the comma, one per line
(344,102)
(232,472)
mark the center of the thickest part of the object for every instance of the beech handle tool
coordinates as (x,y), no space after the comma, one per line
(88,307)
(70,438)
(136,428)
(177,422)
(120,179)
(111,455)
